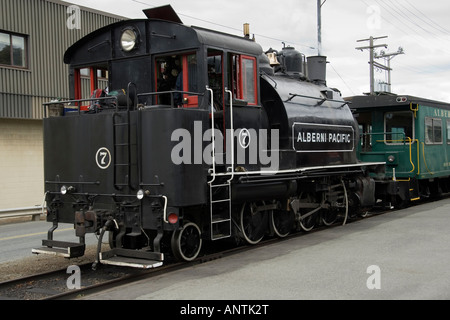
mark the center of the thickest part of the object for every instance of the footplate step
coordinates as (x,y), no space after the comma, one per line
(132,258)
(60,248)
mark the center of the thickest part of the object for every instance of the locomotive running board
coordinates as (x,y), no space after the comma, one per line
(60,249)
(132,258)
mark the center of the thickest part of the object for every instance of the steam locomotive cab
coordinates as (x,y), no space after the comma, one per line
(177,134)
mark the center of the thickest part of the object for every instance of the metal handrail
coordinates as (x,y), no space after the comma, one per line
(232,138)
(77,101)
(21,212)
(172,100)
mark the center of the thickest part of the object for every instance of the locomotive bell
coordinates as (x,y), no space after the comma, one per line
(265,63)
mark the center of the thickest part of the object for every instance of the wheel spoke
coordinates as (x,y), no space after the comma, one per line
(187,242)
(253,223)
(282,222)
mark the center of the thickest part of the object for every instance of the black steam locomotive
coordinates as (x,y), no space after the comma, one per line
(194,135)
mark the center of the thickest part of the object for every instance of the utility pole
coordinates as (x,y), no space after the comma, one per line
(319,26)
(388,57)
(372,63)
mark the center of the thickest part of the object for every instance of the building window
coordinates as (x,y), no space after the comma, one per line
(13,50)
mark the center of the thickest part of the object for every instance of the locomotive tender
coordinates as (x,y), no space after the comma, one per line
(194,135)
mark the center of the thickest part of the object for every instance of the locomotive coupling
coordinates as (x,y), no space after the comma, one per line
(90,221)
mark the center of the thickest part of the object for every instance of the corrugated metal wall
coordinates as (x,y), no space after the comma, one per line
(22,92)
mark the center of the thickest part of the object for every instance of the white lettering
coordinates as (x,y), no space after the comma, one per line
(74,281)
(254,146)
(374,281)
(74,20)
(197,310)
(181,153)
(246,309)
(374,19)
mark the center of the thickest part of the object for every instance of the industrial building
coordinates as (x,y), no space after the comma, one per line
(34,35)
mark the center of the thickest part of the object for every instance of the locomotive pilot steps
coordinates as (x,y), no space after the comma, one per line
(193,135)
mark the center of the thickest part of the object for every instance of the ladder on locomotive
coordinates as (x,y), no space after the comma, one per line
(220,204)
(122,140)
(220,209)
(122,149)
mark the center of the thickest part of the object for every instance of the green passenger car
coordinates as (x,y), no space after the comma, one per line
(412,136)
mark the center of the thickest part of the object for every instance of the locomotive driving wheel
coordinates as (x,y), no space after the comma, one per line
(186,242)
(338,204)
(253,222)
(282,222)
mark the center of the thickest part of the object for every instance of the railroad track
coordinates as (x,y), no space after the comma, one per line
(54,285)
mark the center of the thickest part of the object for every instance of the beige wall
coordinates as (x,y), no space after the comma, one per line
(21,163)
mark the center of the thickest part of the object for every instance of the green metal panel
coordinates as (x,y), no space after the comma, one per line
(395,147)
(434,154)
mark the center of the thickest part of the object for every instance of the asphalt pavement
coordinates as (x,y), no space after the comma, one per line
(400,255)
(17,239)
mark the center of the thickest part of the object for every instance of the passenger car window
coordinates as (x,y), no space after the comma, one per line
(433,131)
(398,127)
(448,131)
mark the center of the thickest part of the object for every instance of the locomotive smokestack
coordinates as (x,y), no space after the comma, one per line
(246,30)
(317,69)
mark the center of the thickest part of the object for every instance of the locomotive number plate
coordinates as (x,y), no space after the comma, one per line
(308,137)
(103,158)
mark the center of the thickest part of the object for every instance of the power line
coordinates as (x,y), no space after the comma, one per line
(232,28)
(411,33)
(430,21)
(402,14)
(348,87)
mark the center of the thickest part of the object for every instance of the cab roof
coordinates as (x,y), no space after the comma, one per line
(392,100)
(163,19)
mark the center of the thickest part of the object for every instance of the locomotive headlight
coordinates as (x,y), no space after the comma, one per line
(67,189)
(391,159)
(140,194)
(128,40)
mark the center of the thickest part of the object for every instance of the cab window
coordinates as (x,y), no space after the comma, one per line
(177,73)
(249,79)
(215,76)
(243,78)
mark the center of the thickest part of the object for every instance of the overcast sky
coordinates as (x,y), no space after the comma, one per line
(421,28)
